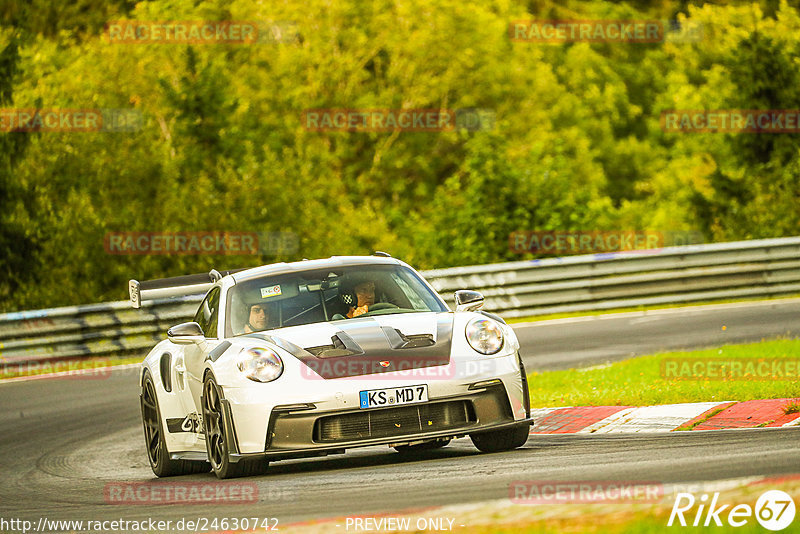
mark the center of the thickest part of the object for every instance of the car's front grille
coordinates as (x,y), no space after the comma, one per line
(395,421)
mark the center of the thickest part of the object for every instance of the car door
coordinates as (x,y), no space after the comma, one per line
(207,317)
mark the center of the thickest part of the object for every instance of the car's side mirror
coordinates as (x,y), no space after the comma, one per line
(186,333)
(468,300)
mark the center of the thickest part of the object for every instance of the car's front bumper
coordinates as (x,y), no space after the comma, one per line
(298,414)
(294,432)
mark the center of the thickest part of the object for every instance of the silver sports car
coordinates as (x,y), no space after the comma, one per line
(315,357)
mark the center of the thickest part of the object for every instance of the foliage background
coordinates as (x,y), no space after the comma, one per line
(577,144)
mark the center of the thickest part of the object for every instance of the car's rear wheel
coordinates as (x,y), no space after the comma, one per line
(157,453)
(217,437)
(427,446)
(501,440)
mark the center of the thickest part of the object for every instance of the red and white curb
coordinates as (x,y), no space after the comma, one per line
(664,418)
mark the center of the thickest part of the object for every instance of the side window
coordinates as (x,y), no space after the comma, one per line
(208,312)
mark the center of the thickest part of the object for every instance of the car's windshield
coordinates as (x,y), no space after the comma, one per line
(339,293)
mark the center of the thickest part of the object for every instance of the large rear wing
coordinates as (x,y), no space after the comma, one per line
(176,286)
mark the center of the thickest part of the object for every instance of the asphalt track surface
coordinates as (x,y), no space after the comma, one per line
(579,342)
(64,440)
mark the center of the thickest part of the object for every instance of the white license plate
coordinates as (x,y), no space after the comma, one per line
(377,398)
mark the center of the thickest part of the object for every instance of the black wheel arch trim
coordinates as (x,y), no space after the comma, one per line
(227,419)
(145,375)
(526,394)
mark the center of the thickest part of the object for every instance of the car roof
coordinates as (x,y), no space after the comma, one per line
(310,265)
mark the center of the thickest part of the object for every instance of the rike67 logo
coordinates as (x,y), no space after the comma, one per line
(774,510)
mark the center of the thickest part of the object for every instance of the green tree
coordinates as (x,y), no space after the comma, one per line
(17,244)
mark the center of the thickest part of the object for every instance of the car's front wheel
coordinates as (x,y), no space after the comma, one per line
(217,438)
(157,453)
(501,440)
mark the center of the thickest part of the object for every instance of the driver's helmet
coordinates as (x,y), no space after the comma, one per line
(347,288)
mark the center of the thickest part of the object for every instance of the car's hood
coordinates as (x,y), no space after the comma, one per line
(367,345)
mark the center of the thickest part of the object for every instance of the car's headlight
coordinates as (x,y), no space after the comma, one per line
(485,335)
(260,365)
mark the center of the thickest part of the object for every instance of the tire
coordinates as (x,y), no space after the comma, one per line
(217,438)
(427,446)
(501,440)
(155,444)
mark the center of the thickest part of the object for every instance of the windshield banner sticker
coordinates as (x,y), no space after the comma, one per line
(272,291)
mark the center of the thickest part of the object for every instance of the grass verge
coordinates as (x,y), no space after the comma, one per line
(792,407)
(662,378)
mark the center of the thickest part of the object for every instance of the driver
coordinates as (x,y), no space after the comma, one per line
(365,293)
(257,318)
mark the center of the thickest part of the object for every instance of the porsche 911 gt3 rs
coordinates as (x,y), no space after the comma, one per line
(315,357)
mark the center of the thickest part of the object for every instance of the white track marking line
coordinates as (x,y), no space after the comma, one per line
(796,422)
(661,418)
